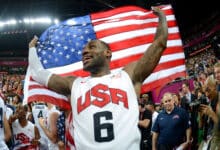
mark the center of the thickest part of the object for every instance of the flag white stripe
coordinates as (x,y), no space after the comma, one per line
(34,83)
(115,23)
(26,85)
(164,73)
(132,34)
(140,49)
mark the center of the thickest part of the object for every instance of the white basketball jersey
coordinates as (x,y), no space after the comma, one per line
(3,146)
(40,110)
(105,113)
(22,135)
(51,145)
(2,113)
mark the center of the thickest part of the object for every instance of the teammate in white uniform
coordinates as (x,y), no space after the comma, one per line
(40,110)
(25,133)
(104,105)
(5,131)
(49,126)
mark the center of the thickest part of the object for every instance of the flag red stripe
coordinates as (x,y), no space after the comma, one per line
(126,9)
(127,28)
(161,82)
(173,50)
(35,86)
(131,17)
(122,62)
(116,11)
(169,64)
(47,98)
(140,40)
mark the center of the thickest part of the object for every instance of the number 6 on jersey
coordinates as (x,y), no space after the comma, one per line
(99,127)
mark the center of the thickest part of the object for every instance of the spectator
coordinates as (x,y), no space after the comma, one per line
(176,100)
(5,131)
(151,106)
(186,102)
(145,98)
(144,124)
(171,129)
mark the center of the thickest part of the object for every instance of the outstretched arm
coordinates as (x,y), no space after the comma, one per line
(7,129)
(141,69)
(55,82)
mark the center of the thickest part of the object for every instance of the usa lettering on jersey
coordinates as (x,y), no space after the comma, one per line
(102,98)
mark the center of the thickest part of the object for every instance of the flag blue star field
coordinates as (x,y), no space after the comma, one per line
(128,30)
(62,44)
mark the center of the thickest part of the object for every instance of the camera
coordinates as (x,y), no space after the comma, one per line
(196,104)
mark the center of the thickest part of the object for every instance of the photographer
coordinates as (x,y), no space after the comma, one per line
(187,102)
(215,141)
(208,115)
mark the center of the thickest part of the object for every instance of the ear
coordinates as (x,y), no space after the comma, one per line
(108,53)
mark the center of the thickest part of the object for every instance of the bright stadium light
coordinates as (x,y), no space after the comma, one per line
(26,20)
(45,20)
(56,21)
(2,24)
(42,20)
(39,20)
(11,22)
(8,22)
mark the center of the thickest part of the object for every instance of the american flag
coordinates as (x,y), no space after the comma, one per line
(128,30)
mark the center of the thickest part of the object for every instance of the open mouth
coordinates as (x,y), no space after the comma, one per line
(86,59)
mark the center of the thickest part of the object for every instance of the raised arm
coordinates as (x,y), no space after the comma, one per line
(141,69)
(54,82)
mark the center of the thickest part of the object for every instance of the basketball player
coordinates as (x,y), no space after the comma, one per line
(104,105)
(49,127)
(39,110)
(5,131)
(25,133)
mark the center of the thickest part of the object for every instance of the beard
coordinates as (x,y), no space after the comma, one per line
(95,65)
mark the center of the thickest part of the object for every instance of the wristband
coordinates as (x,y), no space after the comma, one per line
(38,73)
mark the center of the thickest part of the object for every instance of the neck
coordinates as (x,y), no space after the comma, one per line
(100,73)
(23,122)
(169,111)
(49,106)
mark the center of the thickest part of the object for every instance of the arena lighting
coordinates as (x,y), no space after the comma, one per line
(8,22)
(40,20)
(56,21)
(44,20)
